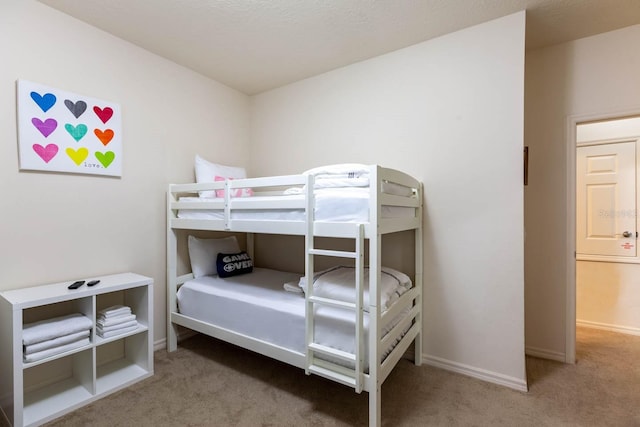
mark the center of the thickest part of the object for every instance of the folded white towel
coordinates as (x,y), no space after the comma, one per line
(355,169)
(54,328)
(109,334)
(101,329)
(115,320)
(114,310)
(123,312)
(34,357)
(45,345)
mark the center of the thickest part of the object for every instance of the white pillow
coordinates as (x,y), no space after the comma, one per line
(203,253)
(207,172)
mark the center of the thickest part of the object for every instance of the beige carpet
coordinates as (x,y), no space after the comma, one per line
(210,383)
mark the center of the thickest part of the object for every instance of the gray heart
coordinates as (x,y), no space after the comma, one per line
(76,109)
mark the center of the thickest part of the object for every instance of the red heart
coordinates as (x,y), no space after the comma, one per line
(103,114)
(104,136)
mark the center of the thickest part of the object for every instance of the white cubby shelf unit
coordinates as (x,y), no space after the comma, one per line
(36,392)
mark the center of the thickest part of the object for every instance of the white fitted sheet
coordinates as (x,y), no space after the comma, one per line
(257,305)
(333,204)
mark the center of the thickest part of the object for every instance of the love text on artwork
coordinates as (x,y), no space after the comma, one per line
(92,165)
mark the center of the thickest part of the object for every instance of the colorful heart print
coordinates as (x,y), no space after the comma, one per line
(103,114)
(45,101)
(104,136)
(78,155)
(76,108)
(105,158)
(46,153)
(47,127)
(77,132)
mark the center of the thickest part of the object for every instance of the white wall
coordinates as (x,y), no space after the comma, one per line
(58,227)
(590,77)
(449,111)
(608,296)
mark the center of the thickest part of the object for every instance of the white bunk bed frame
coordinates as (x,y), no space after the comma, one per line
(372,230)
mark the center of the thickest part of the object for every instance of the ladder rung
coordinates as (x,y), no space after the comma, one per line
(339,254)
(332,302)
(332,375)
(330,351)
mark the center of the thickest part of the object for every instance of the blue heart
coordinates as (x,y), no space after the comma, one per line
(45,101)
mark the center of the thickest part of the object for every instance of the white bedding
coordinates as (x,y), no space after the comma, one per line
(257,305)
(337,283)
(349,204)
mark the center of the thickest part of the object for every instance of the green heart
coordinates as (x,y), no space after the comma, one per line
(77,132)
(105,158)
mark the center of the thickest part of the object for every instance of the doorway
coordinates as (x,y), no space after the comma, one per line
(606,292)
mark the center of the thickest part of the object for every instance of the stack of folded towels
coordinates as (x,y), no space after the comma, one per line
(53,336)
(115,320)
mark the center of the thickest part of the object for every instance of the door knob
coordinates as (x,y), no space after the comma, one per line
(626,234)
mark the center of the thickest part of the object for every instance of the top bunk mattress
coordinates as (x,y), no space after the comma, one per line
(331,205)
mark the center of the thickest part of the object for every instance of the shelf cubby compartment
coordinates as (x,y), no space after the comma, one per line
(57,386)
(135,298)
(121,362)
(50,311)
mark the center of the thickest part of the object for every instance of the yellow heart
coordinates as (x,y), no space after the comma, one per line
(78,155)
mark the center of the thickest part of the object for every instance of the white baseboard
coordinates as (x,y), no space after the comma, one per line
(607,327)
(545,354)
(471,371)
(161,344)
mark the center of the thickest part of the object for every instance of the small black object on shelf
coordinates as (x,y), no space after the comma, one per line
(76,284)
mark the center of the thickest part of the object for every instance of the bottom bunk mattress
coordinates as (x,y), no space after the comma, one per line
(258,306)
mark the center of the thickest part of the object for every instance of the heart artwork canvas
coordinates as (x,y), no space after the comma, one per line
(60,131)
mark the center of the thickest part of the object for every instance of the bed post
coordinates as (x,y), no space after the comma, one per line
(375,405)
(375,266)
(419,280)
(375,389)
(172,278)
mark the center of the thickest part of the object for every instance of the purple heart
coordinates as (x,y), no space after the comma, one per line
(46,127)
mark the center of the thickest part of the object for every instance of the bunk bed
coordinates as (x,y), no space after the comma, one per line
(353,335)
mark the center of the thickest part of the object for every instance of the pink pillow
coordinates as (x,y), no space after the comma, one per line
(235,192)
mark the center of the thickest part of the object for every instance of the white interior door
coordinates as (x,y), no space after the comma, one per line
(606,199)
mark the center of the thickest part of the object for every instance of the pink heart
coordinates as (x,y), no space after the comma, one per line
(46,153)
(46,127)
(103,114)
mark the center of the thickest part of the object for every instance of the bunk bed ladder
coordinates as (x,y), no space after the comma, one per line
(353,377)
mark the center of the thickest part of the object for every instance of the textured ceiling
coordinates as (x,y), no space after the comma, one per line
(257,45)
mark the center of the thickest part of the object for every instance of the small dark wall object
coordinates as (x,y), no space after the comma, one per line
(526,166)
